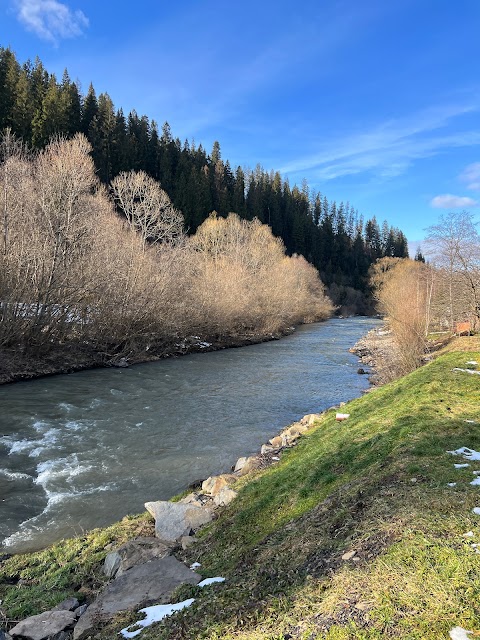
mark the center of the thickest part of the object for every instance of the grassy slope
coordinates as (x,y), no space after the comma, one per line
(375,484)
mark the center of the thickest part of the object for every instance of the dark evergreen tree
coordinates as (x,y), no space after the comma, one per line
(89,111)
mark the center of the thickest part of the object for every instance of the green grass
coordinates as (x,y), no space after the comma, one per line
(35,582)
(375,484)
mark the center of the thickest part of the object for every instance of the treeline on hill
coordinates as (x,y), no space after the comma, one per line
(333,237)
(75,273)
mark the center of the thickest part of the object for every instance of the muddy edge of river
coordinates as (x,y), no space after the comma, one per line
(65,359)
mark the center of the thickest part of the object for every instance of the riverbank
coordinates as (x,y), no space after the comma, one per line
(336,540)
(63,359)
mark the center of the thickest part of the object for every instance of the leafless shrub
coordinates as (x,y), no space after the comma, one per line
(403,289)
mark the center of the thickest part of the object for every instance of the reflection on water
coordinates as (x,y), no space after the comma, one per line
(82,450)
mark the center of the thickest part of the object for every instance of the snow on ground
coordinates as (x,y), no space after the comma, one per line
(467,371)
(207,581)
(155,614)
(459,633)
(160,611)
(468,454)
(461,466)
(476,511)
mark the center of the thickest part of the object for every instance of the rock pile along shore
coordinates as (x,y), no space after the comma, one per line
(145,571)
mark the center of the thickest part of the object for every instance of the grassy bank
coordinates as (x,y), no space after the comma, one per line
(374,487)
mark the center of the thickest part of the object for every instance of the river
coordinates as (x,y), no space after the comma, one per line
(82,450)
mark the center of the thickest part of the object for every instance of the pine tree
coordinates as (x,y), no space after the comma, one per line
(48,121)
(90,110)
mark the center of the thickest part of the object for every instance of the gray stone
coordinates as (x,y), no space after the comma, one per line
(79,611)
(192,498)
(225,496)
(43,625)
(62,635)
(176,519)
(145,584)
(267,448)
(309,419)
(277,442)
(112,564)
(251,464)
(240,464)
(187,541)
(132,553)
(67,605)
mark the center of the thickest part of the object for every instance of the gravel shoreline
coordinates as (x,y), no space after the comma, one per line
(373,350)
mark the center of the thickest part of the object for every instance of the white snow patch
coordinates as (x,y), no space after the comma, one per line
(452,484)
(160,611)
(459,633)
(469,534)
(474,362)
(195,565)
(467,371)
(475,482)
(155,614)
(461,466)
(476,511)
(468,454)
(207,581)
(471,421)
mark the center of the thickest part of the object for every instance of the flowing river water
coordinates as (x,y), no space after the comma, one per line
(82,450)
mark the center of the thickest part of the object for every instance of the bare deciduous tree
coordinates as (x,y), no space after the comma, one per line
(147,208)
(403,289)
(455,244)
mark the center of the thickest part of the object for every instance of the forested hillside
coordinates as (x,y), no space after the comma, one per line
(333,236)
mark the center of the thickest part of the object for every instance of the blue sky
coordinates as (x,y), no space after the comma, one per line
(372,101)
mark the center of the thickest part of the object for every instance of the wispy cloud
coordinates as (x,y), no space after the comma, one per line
(471,176)
(389,148)
(50,20)
(449,201)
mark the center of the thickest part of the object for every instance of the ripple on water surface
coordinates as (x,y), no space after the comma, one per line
(83,450)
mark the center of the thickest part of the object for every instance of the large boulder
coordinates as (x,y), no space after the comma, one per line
(132,553)
(250,465)
(176,519)
(213,485)
(224,497)
(239,464)
(141,586)
(278,442)
(310,419)
(43,625)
